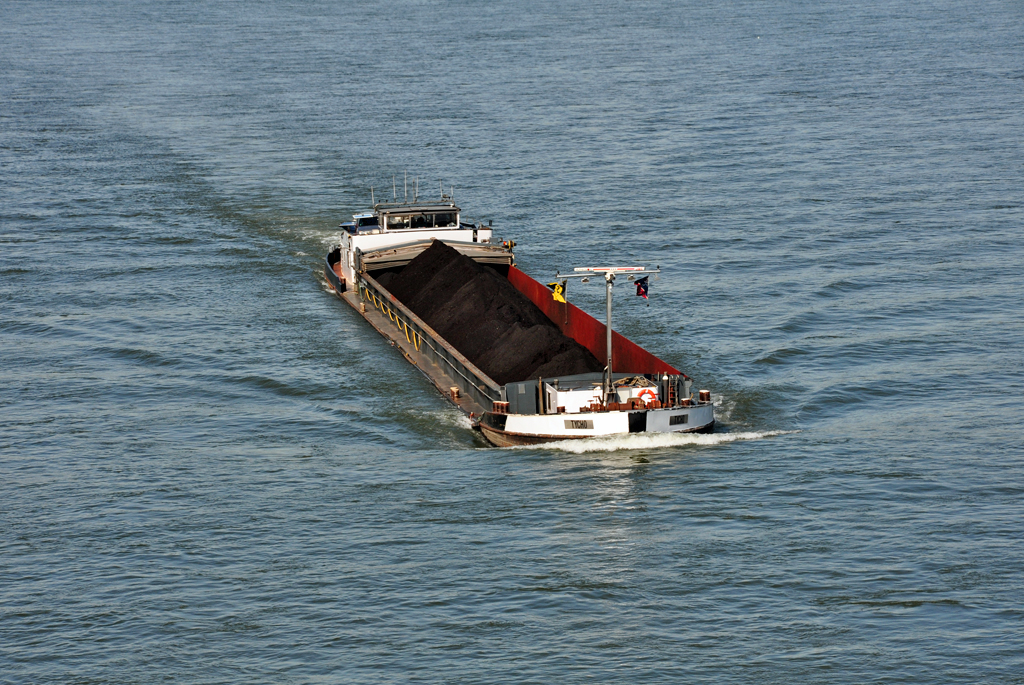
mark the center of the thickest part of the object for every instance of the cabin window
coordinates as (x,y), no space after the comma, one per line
(366,221)
(445,219)
(420,221)
(397,223)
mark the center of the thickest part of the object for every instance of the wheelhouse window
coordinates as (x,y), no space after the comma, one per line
(423,220)
(398,223)
(446,219)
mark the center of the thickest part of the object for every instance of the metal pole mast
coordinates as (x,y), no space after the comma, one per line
(609,279)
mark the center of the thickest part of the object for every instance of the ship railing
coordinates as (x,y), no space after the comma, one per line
(470,380)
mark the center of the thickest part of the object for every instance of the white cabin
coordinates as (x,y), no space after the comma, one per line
(392,226)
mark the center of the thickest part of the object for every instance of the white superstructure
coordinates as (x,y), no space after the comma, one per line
(392,226)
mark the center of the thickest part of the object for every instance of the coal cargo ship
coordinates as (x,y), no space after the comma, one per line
(525,367)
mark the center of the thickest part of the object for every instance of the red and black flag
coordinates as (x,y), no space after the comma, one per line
(641,287)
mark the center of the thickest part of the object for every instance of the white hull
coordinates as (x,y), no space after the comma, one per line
(526,429)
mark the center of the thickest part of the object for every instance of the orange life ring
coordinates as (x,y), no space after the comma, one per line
(647,391)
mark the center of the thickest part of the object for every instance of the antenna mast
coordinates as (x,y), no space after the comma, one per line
(609,278)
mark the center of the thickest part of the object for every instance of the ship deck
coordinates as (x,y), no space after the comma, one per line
(434,372)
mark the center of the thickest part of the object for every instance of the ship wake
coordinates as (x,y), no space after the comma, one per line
(647,441)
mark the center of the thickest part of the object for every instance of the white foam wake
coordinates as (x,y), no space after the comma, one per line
(643,441)
(449,417)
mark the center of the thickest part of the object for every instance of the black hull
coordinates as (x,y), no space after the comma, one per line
(333,279)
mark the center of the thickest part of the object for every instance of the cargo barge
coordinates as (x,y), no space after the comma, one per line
(397,240)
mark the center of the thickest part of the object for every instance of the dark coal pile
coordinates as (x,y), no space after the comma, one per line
(485,318)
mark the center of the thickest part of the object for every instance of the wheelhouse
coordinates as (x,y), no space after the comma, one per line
(418,217)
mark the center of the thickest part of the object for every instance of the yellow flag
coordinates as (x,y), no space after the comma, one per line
(559,290)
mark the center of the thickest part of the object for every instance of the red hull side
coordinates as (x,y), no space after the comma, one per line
(588,331)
